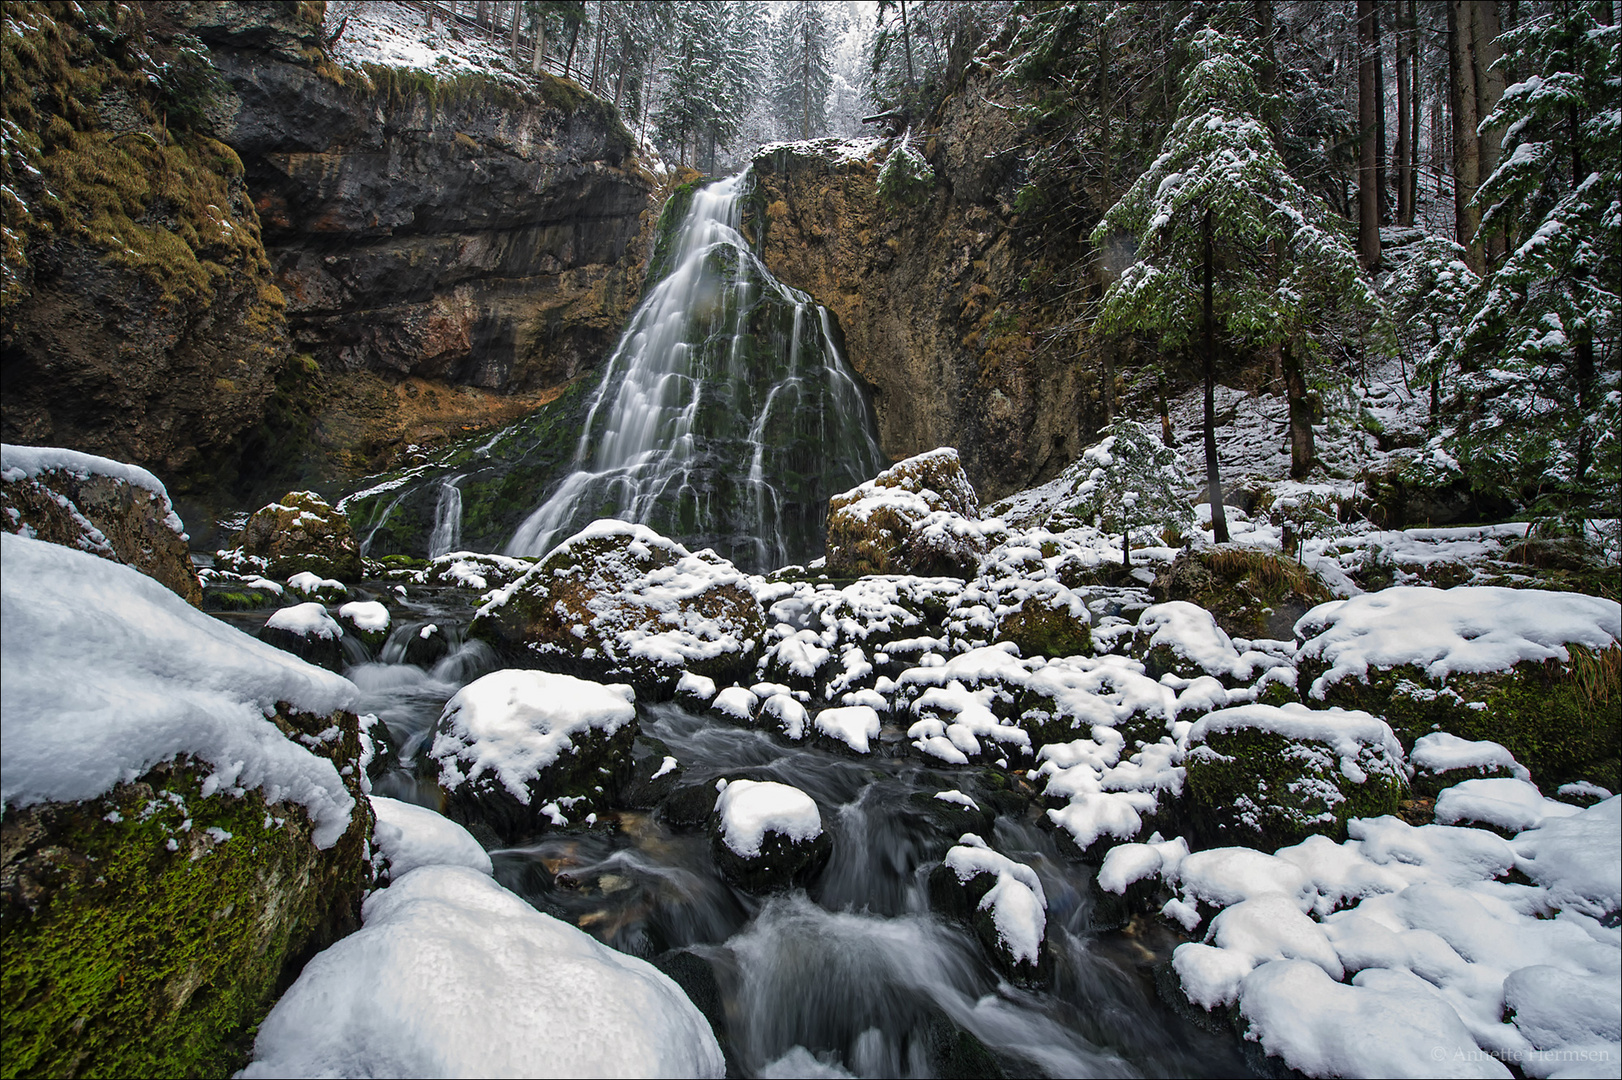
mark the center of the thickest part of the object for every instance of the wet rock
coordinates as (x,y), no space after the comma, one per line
(308,632)
(424,644)
(366,620)
(525,750)
(620,601)
(378,751)
(920,516)
(1002,899)
(655,775)
(299,533)
(688,806)
(767,835)
(118,511)
(1266,777)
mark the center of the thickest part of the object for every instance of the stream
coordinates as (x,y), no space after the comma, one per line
(854,972)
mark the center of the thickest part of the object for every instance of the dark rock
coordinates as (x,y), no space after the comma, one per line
(300,533)
(313,648)
(642,790)
(688,807)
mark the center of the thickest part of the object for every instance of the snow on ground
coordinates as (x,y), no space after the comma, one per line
(452,975)
(750,809)
(396,35)
(514,723)
(107,673)
(27,462)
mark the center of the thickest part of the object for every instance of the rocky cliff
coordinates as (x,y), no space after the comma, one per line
(942,295)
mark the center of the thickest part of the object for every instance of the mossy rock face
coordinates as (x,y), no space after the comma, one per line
(300,532)
(105,516)
(1262,789)
(586,610)
(873,528)
(139,941)
(238,598)
(1558,720)
(581,781)
(1041,627)
(1251,593)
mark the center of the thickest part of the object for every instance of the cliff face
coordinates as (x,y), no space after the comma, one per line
(940,296)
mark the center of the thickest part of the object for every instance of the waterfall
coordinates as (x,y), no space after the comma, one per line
(726,416)
(447,535)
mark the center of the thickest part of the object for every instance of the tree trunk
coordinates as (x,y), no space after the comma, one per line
(430,6)
(1461,94)
(1213,476)
(906,43)
(1405,197)
(518,11)
(1380,154)
(574,40)
(1126,546)
(1489,87)
(1416,96)
(1168,437)
(1368,192)
(1302,450)
(538,60)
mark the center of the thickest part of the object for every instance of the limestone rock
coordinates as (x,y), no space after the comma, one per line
(118,511)
(620,601)
(920,516)
(300,533)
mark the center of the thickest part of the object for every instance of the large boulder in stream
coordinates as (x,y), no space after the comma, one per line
(183,824)
(521,750)
(919,516)
(767,835)
(306,631)
(1538,672)
(298,533)
(619,601)
(108,508)
(1001,898)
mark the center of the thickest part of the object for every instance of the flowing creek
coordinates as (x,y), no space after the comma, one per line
(854,972)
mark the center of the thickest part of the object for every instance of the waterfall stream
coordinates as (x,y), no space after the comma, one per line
(447,535)
(726,415)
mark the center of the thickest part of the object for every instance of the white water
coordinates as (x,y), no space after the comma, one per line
(684,430)
(447,535)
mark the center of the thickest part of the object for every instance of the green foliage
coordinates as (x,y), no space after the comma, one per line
(1282,267)
(906,178)
(1131,482)
(189,85)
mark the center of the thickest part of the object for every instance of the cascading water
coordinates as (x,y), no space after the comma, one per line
(447,518)
(726,416)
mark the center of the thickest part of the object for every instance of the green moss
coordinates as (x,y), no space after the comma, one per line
(125,958)
(1041,629)
(1261,789)
(1559,720)
(670,222)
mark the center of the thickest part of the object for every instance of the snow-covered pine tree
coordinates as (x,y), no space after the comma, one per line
(1220,201)
(1429,292)
(802,75)
(1533,372)
(1131,481)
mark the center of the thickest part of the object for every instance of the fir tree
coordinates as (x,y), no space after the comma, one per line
(1533,370)
(1131,482)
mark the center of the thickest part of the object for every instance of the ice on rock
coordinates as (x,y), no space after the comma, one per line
(452,975)
(853,725)
(749,809)
(305,620)
(514,723)
(1503,802)
(104,673)
(410,836)
(1465,629)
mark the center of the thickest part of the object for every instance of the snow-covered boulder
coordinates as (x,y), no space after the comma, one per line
(1252,593)
(619,601)
(1001,898)
(1262,775)
(367,620)
(920,516)
(407,836)
(518,750)
(108,508)
(298,532)
(1538,672)
(312,586)
(183,805)
(306,631)
(479,571)
(452,975)
(1440,760)
(767,835)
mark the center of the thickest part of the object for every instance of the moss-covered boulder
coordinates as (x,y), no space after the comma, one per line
(1538,672)
(1002,899)
(920,516)
(1266,777)
(118,511)
(306,631)
(147,932)
(299,533)
(619,601)
(519,751)
(1251,592)
(1051,624)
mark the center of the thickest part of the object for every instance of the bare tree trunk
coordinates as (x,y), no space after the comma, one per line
(1302,450)
(1410,165)
(1380,155)
(538,60)
(1368,198)
(431,9)
(518,10)
(906,43)
(1466,148)
(1168,437)
(574,39)
(1213,476)
(1489,76)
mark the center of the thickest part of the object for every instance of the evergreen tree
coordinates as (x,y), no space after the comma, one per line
(1131,482)
(1229,243)
(802,44)
(1533,370)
